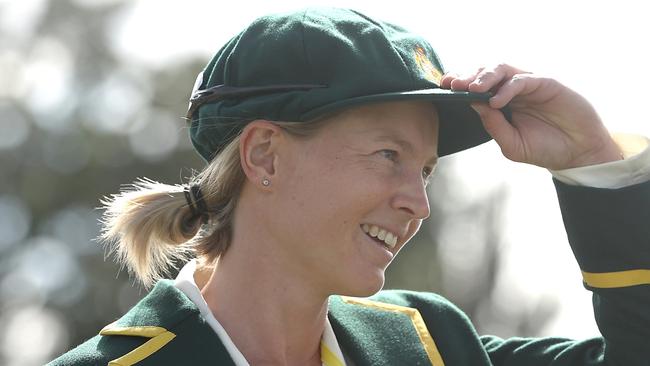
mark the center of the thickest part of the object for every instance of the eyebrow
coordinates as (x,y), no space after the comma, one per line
(405,145)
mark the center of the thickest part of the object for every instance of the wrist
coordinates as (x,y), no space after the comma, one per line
(606,152)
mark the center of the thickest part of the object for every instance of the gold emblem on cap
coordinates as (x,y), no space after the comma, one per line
(430,72)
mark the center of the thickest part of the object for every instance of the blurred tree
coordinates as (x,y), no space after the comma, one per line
(77,123)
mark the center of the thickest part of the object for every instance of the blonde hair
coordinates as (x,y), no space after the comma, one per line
(151,229)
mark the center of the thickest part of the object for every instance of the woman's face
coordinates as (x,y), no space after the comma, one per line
(363,173)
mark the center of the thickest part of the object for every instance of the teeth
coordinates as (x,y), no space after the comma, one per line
(390,240)
(387,237)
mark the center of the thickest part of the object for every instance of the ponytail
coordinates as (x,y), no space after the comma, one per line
(151,228)
(147,226)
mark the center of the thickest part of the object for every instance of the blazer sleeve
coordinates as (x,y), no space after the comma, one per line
(609,233)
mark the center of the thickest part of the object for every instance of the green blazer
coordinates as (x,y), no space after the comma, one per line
(609,231)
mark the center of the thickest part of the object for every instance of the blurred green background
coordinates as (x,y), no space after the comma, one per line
(78,119)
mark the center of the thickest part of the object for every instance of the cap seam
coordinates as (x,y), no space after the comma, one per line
(304,44)
(401,57)
(382,26)
(228,65)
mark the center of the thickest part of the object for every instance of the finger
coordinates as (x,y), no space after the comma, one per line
(491,78)
(462,82)
(505,135)
(520,84)
(446,80)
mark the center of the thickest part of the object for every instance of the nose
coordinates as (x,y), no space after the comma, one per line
(412,197)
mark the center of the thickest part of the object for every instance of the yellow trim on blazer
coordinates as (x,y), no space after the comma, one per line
(328,357)
(159,338)
(617,279)
(416,318)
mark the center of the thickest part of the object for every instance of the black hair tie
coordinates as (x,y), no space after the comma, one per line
(196,203)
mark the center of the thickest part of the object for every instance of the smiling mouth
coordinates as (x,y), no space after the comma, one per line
(380,235)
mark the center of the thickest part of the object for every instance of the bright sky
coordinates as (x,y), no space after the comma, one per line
(597,47)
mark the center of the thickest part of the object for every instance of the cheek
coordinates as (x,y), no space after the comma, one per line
(328,191)
(317,196)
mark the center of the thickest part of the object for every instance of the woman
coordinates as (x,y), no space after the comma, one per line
(287,216)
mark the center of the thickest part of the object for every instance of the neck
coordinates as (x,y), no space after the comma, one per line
(272,316)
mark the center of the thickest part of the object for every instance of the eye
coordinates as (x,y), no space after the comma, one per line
(389,154)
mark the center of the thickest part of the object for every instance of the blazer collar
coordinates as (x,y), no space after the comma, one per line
(369,332)
(376,333)
(177,333)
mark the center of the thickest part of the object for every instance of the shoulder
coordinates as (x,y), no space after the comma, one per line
(145,329)
(87,353)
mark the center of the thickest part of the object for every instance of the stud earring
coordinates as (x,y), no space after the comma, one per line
(266,182)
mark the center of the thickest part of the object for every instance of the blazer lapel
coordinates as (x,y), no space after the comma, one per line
(173,331)
(375,333)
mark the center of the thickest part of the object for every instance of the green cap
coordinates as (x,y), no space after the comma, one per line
(303,65)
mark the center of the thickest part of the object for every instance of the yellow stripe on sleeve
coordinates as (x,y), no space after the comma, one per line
(629,278)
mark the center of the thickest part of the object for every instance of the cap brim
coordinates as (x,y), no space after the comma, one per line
(460,126)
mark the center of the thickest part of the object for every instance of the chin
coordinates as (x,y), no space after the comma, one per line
(368,287)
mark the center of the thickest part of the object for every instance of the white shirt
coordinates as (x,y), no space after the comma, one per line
(633,170)
(616,174)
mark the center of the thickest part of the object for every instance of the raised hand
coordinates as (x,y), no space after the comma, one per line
(552,126)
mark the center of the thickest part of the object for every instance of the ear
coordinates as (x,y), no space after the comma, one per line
(258,145)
